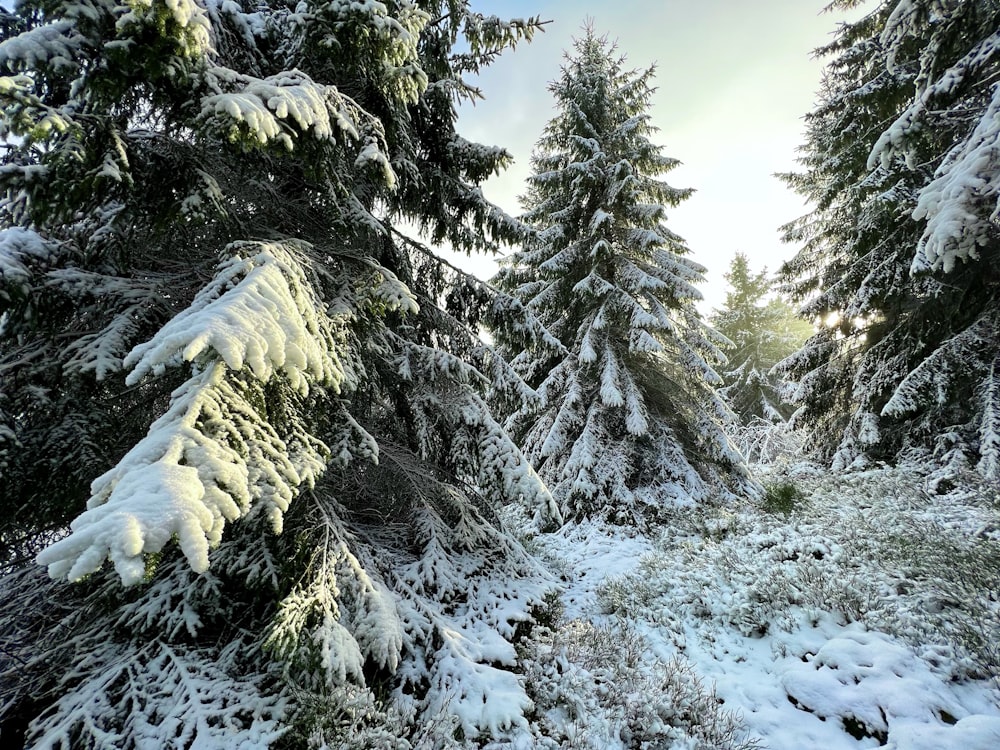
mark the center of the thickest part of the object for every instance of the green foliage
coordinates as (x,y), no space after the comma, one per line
(550,613)
(781,497)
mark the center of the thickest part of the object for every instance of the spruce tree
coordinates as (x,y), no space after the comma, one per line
(628,418)
(763,332)
(901,162)
(224,372)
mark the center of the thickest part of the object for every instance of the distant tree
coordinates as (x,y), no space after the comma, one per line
(899,255)
(763,332)
(223,372)
(629,416)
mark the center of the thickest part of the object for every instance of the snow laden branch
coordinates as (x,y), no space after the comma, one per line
(932,379)
(281,108)
(158,695)
(965,187)
(55,46)
(961,204)
(492,459)
(336,617)
(258,312)
(396,35)
(288,105)
(186,21)
(20,249)
(213,455)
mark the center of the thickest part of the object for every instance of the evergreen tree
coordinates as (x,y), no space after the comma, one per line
(763,332)
(898,255)
(223,371)
(629,416)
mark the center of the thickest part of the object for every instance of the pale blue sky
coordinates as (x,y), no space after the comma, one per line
(734,79)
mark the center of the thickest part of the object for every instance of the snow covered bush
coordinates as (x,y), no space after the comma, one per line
(592,689)
(225,372)
(628,418)
(957,577)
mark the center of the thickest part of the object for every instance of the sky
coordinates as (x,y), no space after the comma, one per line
(734,80)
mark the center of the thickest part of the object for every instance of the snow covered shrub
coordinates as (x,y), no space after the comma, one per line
(623,594)
(363,721)
(747,571)
(921,566)
(957,579)
(597,686)
(698,709)
(550,612)
(814,626)
(359,722)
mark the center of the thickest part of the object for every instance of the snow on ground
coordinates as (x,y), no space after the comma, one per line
(866,616)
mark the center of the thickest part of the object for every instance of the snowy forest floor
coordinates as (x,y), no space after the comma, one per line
(854,610)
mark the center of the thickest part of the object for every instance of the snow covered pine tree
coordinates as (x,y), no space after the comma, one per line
(900,254)
(223,371)
(629,417)
(762,332)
